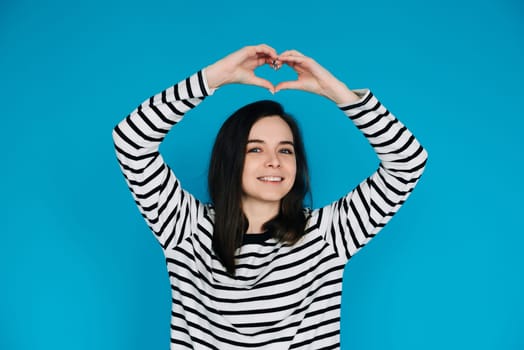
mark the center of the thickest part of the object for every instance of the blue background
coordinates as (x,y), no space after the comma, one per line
(79,268)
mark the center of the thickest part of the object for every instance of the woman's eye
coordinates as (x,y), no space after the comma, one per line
(254,150)
(286,151)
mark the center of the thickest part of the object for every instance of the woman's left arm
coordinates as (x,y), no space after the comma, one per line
(349,223)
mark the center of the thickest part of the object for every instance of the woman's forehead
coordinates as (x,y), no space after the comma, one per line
(271,128)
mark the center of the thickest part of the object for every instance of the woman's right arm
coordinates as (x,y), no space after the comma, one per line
(156,190)
(166,207)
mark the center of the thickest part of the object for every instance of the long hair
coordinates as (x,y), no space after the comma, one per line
(225,183)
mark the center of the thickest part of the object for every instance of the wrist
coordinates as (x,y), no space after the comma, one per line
(213,76)
(341,94)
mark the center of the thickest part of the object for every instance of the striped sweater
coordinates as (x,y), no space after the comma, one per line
(283,296)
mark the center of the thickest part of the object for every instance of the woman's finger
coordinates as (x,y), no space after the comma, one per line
(291,53)
(294,60)
(263,59)
(288,85)
(266,50)
(257,81)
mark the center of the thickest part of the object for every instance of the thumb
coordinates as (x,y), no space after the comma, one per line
(257,81)
(288,85)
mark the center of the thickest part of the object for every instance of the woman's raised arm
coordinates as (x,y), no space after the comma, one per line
(167,208)
(352,221)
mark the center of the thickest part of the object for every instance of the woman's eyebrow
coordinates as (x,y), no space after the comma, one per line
(285,142)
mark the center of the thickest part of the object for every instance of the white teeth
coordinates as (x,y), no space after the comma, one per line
(270,178)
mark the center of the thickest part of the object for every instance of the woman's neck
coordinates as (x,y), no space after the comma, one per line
(258,214)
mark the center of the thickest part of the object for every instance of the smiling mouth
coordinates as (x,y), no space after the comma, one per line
(270,178)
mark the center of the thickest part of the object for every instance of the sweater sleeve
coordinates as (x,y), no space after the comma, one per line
(349,223)
(168,210)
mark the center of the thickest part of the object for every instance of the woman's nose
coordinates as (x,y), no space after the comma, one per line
(273,161)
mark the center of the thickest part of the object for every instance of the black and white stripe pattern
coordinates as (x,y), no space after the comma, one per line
(283,296)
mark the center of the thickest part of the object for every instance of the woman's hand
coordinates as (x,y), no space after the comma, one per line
(239,67)
(312,77)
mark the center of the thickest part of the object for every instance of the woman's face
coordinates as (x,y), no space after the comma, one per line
(270,164)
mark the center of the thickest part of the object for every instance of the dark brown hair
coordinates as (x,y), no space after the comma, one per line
(225,183)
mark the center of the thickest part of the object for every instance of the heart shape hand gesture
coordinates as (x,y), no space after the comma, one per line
(239,68)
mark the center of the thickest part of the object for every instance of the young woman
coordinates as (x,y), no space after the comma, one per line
(254,269)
